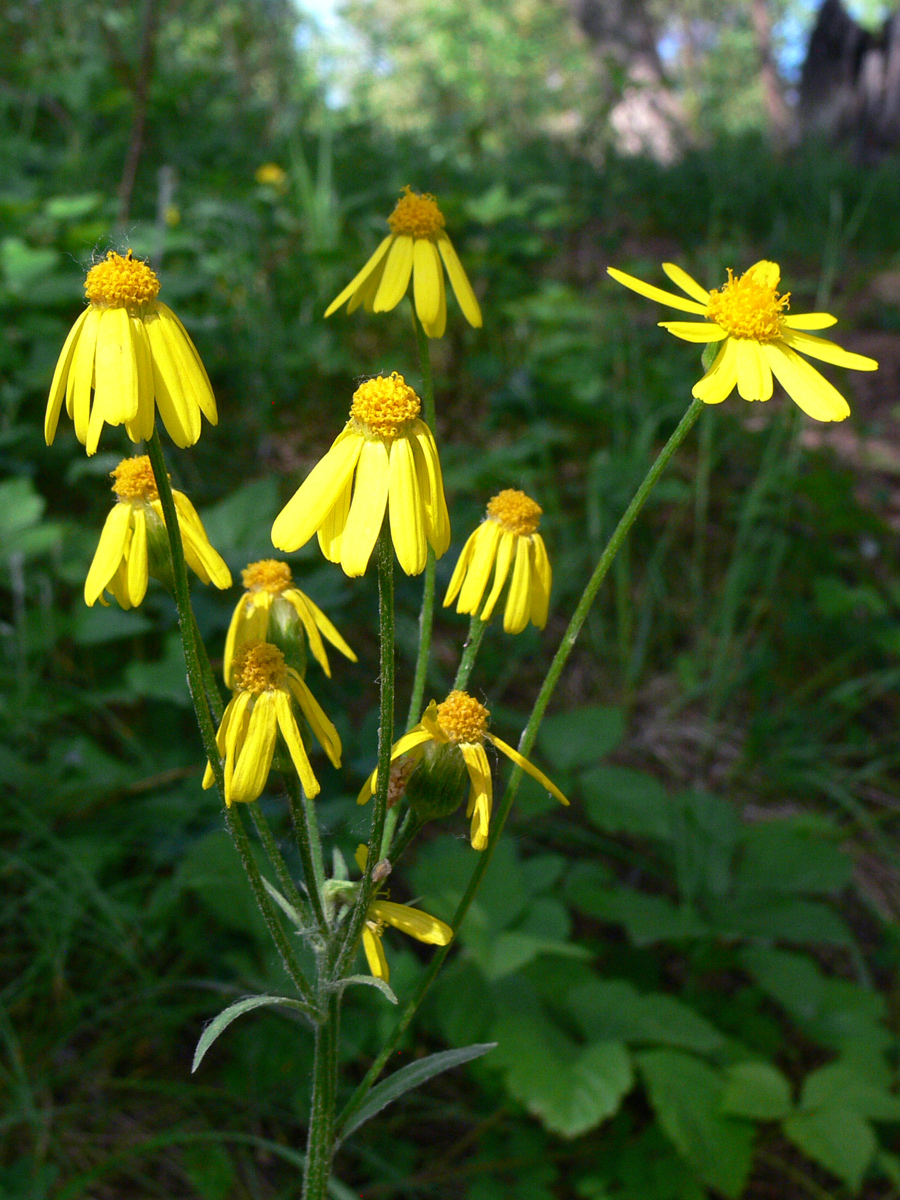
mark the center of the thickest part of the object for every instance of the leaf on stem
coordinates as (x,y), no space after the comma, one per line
(218,1024)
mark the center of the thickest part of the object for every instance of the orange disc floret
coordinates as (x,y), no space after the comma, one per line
(134,479)
(515,512)
(462,718)
(259,667)
(267,575)
(416,215)
(121,281)
(748,307)
(385,405)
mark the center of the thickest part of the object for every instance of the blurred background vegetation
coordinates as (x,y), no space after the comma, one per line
(692,974)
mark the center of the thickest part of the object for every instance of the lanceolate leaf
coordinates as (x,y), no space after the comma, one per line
(231,1013)
(371,981)
(409,1077)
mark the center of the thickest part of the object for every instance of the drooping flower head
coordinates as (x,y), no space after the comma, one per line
(750,318)
(412,921)
(507,537)
(385,458)
(133,543)
(272,609)
(125,355)
(260,711)
(416,246)
(450,737)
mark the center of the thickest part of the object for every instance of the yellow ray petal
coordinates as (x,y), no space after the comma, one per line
(480,793)
(694,331)
(60,379)
(397,270)
(115,368)
(806,387)
(459,571)
(81,376)
(360,276)
(409,741)
(485,539)
(325,627)
(431,486)
(754,376)
(766,272)
(826,351)
(366,515)
(528,767)
(518,599)
(254,759)
(201,387)
(317,495)
(375,954)
(233,738)
(459,281)
(405,508)
(655,293)
(138,566)
(542,582)
(412,921)
(174,377)
(687,283)
(300,604)
(502,564)
(109,553)
(141,428)
(427,271)
(436,328)
(287,723)
(331,532)
(235,632)
(325,732)
(814,320)
(194,535)
(719,380)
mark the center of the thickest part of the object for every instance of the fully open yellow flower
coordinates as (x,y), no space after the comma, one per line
(507,537)
(122,561)
(415,247)
(261,709)
(412,921)
(271,600)
(461,723)
(759,340)
(128,350)
(385,458)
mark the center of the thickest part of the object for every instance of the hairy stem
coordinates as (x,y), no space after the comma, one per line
(470,653)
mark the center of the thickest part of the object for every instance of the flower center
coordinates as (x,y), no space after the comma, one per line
(416,215)
(259,667)
(385,405)
(514,512)
(121,282)
(462,718)
(748,307)
(267,575)
(134,479)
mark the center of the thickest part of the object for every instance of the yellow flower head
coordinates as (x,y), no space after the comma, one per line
(412,921)
(507,537)
(126,355)
(272,602)
(385,458)
(749,317)
(416,246)
(271,175)
(261,709)
(133,537)
(461,723)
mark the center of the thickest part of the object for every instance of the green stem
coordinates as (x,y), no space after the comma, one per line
(210,683)
(470,653)
(192,658)
(276,858)
(306,827)
(320,1136)
(385,553)
(408,830)
(527,741)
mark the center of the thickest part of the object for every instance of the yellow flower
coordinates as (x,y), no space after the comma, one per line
(412,921)
(129,350)
(261,709)
(134,535)
(461,723)
(507,537)
(759,339)
(271,600)
(385,458)
(415,246)
(271,175)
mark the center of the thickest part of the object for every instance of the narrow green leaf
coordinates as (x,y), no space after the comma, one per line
(231,1013)
(409,1077)
(370,981)
(286,907)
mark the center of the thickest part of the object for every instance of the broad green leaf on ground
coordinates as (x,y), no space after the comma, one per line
(582,737)
(619,800)
(686,1095)
(648,919)
(570,1088)
(615,1009)
(777,857)
(848,1085)
(411,1076)
(837,1138)
(793,980)
(781,919)
(757,1090)
(508,952)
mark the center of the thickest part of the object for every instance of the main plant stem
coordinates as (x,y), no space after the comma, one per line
(194,654)
(320,1137)
(527,741)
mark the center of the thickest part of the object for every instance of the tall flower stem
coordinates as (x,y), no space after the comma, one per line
(527,741)
(194,653)
(306,828)
(470,653)
(276,858)
(320,1136)
(379,832)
